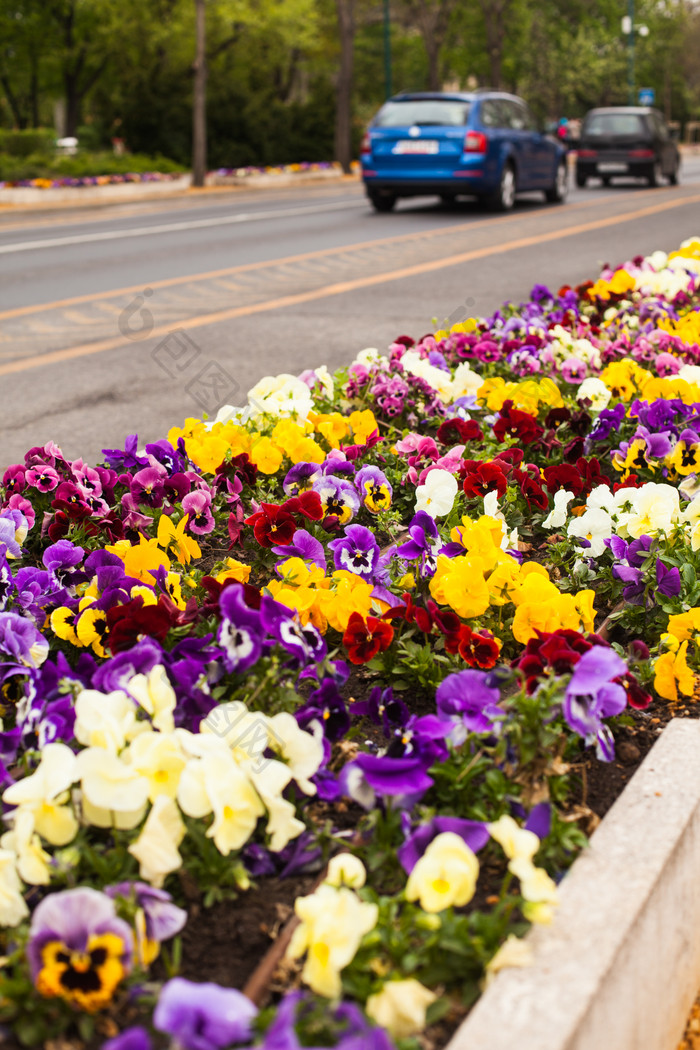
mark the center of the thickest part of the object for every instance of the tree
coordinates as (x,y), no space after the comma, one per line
(199,102)
(343,110)
(432,18)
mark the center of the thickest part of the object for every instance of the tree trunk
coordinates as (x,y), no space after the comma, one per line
(13,102)
(199,109)
(495,25)
(432,50)
(70,83)
(343,108)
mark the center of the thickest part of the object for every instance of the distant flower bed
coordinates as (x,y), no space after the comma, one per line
(280,169)
(365,633)
(92,180)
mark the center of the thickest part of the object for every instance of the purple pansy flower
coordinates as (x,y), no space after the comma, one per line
(21,646)
(357,552)
(591,696)
(302,641)
(469,702)
(134,1038)
(203,1016)
(304,546)
(668,581)
(424,543)
(301,478)
(163,918)
(240,634)
(198,506)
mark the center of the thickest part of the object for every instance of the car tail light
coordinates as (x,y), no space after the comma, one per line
(475,142)
(366,146)
(641,153)
(588,154)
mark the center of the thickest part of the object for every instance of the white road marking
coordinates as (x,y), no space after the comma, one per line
(176,227)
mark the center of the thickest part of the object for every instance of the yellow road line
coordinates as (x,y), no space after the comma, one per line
(319,253)
(88,349)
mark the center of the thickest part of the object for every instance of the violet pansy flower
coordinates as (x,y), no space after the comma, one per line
(240,631)
(78,949)
(203,1016)
(357,552)
(591,696)
(469,702)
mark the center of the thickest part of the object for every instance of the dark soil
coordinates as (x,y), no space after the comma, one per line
(225,942)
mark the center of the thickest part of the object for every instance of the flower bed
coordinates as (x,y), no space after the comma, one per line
(361,651)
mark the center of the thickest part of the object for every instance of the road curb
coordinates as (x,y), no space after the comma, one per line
(29,196)
(619,967)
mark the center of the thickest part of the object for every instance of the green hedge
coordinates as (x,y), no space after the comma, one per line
(42,166)
(32,142)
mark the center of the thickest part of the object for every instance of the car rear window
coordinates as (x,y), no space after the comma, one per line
(423,112)
(614,124)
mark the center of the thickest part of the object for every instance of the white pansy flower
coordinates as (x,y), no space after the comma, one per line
(558,515)
(437,495)
(465,381)
(596,526)
(595,391)
(105,720)
(12,905)
(154,693)
(156,848)
(438,379)
(282,395)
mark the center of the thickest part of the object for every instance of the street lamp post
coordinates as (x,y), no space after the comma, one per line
(629,29)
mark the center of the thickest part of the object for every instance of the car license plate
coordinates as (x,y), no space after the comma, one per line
(417,146)
(611,169)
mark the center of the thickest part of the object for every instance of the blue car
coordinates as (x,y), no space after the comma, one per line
(482,144)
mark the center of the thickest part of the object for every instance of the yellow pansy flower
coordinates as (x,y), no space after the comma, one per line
(140,559)
(672,674)
(175,539)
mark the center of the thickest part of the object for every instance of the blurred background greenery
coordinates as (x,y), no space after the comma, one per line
(118,74)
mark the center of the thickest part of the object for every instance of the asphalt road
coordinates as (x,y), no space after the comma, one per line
(128,318)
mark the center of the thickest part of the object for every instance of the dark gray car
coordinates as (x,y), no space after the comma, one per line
(626,141)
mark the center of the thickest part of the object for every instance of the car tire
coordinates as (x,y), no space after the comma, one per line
(503,198)
(382,202)
(606,180)
(557,193)
(581,180)
(654,176)
(673,177)
(448,199)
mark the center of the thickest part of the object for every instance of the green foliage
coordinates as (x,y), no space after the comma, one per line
(43,166)
(25,143)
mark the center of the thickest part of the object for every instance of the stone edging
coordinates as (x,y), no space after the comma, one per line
(619,967)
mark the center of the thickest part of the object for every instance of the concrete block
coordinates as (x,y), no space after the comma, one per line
(619,967)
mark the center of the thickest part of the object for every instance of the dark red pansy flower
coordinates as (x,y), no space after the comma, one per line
(516,424)
(534,493)
(459,432)
(307,503)
(555,416)
(563,476)
(632,482)
(488,477)
(128,623)
(478,648)
(512,456)
(590,471)
(636,696)
(272,525)
(363,639)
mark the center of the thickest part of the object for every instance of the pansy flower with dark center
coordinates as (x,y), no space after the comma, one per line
(327,707)
(482,478)
(478,648)
(374,489)
(302,641)
(301,478)
(516,424)
(240,633)
(357,552)
(364,638)
(272,525)
(338,498)
(78,949)
(7,584)
(198,506)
